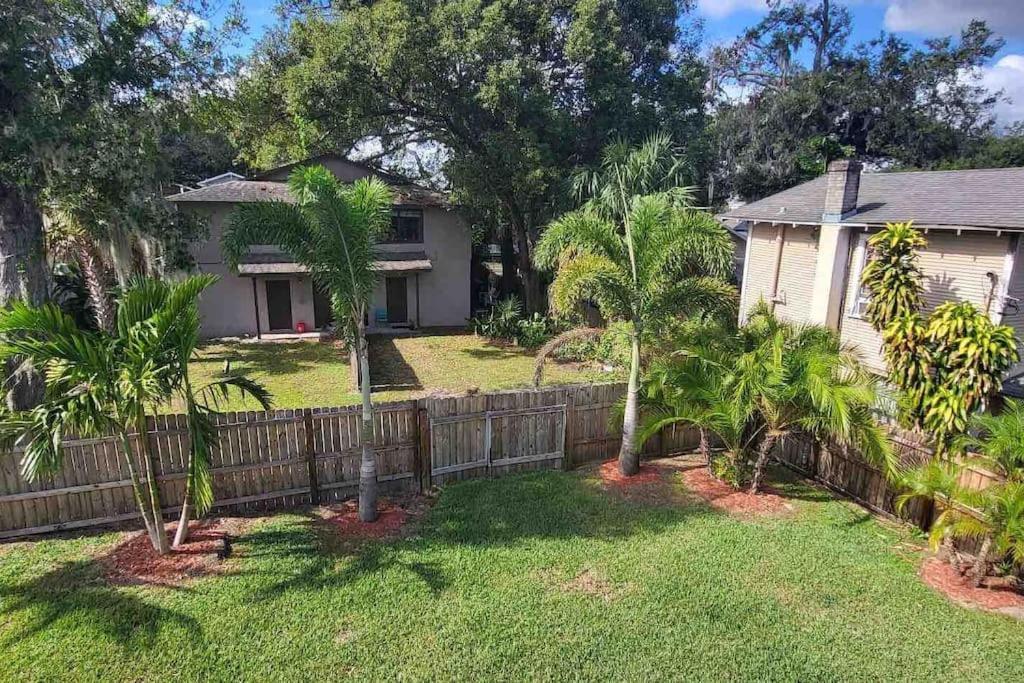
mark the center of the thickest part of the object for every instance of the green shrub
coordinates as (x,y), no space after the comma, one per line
(732,471)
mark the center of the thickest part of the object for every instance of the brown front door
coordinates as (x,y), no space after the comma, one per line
(398,302)
(279,305)
(322,313)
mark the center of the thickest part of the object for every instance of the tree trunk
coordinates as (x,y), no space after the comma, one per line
(981,562)
(95,283)
(764,452)
(181,533)
(140,500)
(704,448)
(532,300)
(368,462)
(509,269)
(160,543)
(22,278)
(629,459)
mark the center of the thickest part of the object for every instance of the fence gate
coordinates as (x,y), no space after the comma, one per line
(480,444)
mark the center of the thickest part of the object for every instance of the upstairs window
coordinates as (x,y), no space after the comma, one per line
(406,226)
(859,302)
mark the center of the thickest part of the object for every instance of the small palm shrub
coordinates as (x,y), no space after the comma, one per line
(993,516)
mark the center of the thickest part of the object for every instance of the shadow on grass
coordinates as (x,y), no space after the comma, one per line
(389,370)
(274,358)
(77,589)
(496,513)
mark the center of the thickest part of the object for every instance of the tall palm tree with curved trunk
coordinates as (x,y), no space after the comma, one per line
(664,263)
(98,382)
(331,229)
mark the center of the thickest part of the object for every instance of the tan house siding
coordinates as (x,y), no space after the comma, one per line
(796,275)
(1013,306)
(954,268)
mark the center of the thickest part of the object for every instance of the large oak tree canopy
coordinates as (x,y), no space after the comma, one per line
(513,94)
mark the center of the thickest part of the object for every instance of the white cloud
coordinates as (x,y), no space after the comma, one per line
(1007,75)
(719,9)
(933,17)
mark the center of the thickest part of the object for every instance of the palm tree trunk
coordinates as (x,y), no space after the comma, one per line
(764,452)
(368,462)
(704,448)
(629,459)
(181,533)
(92,274)
(160,543)
(140,501)
(981,562)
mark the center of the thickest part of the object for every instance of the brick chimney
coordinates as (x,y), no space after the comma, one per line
(842,184)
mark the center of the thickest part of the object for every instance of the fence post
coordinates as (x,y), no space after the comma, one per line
(307,430)
(423,455)
(569,433)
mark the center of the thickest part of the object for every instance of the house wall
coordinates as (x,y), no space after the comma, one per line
(227,308)
(796,275)
(954,268)
(445,289)
(1013,304)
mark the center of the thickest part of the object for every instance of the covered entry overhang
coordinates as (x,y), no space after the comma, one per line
(268,265)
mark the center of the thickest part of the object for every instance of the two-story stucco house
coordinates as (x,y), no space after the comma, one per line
(807,246)
(424,264)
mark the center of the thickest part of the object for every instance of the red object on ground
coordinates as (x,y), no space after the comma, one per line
(300,327)
(390,520)
(944,578)
(724,497)
(135,561)
(610,474)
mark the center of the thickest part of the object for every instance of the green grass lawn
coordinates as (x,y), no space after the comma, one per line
(538,576)
(310,373)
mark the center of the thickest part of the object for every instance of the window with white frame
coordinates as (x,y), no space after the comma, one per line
(859,302)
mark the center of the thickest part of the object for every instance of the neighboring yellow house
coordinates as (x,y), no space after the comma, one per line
(806,246)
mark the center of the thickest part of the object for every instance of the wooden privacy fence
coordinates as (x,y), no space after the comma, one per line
(285,458)
(844,470)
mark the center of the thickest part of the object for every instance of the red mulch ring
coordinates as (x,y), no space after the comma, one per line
(944,578)
(611,475)
(722,496)
(134,561)
(390,520)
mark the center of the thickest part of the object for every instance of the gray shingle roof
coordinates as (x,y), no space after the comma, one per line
(241,191)
(992,198)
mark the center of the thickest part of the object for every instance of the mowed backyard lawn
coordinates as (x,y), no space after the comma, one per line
(310,373)
(535,576)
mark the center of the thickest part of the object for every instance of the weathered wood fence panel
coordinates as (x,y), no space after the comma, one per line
(844,470)
(284,458)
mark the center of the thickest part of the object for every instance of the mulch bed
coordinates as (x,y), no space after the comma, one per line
(134,561)
(722,496)
(944,578)
(611,475)
(392,518)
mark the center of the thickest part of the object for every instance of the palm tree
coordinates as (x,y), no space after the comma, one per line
(641,258)
(997,440)
(802,379)
(691,387)
(99,383)
(200,403)
(331,229)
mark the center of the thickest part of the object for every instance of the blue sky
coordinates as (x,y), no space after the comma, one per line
(914,20)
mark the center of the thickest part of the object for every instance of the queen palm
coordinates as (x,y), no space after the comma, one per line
(659,262)
(331,229)
(100,382)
